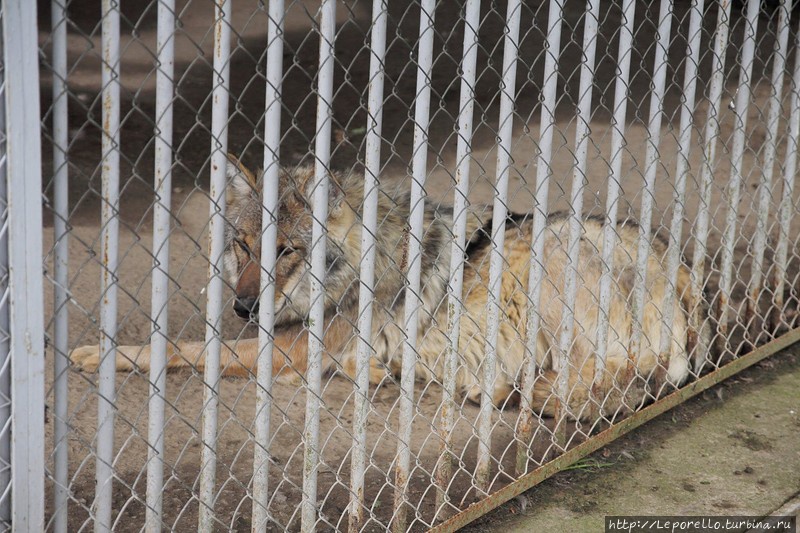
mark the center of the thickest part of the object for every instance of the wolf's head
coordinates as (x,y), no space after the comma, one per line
(294,227)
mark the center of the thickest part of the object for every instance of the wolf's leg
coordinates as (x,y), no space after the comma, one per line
(290,357)
(378,372)
(187,354)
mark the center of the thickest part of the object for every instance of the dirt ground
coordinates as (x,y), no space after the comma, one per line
(188,266)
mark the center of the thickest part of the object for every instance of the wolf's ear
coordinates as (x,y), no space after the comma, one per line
(241,181)
(299,182)
(336,193)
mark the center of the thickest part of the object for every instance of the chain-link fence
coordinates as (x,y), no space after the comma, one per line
(455,245)
(5,360)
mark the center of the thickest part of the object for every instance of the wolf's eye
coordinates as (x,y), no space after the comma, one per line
(243,245)
(283,250)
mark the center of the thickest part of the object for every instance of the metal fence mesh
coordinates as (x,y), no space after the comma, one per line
(581,144)
(5,330)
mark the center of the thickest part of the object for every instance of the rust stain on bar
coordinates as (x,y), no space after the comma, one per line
(722,306)
(560,431)
(357,513)
(444,470)
(659,376)
(598,396)
(778,317)
(617,430)
(401,483)
(443,475)
(631,372)
(523,442)
(722,342)
(750,320)
(630,367)
(691,340)
(751,317)
(218,25)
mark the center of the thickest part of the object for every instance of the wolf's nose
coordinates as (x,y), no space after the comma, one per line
(246,307)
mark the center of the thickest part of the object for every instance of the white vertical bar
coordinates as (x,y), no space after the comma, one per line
(682,170)
(765,187)
(266,308)
(219,162)
(160,298)
(25,265)
(322,151)
(544,170)
(413,299)
(497,261)
(652,158)
(737,155)
(5,324)
(104,471)
(367,265)
(710,136)
(612,199)
(444,471)
(60,267)
(561,361)
(787,195)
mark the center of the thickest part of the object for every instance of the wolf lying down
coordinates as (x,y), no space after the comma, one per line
(292,300)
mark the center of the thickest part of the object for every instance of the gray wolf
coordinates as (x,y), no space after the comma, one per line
(242,255)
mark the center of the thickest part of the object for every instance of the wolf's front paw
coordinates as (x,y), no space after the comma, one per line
(86,358)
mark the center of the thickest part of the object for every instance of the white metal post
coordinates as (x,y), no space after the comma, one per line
(765,187)
(544,171)
(582,130)
(619,123)
(109,242)
(165,48)
(734,191)
(444,472)
(266,308)
(367,264)
(5,324)
(682,169)
(60,267)
(316,346)
(216,244)
(710,137)
(413,299)
(497,261)
(787,195)
(652,158)
(24,209)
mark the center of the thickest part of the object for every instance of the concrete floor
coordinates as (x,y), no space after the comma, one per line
(734,450)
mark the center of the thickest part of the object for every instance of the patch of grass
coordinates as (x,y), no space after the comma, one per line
(588,464)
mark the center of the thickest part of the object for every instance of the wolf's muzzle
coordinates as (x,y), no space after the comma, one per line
(246,308)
